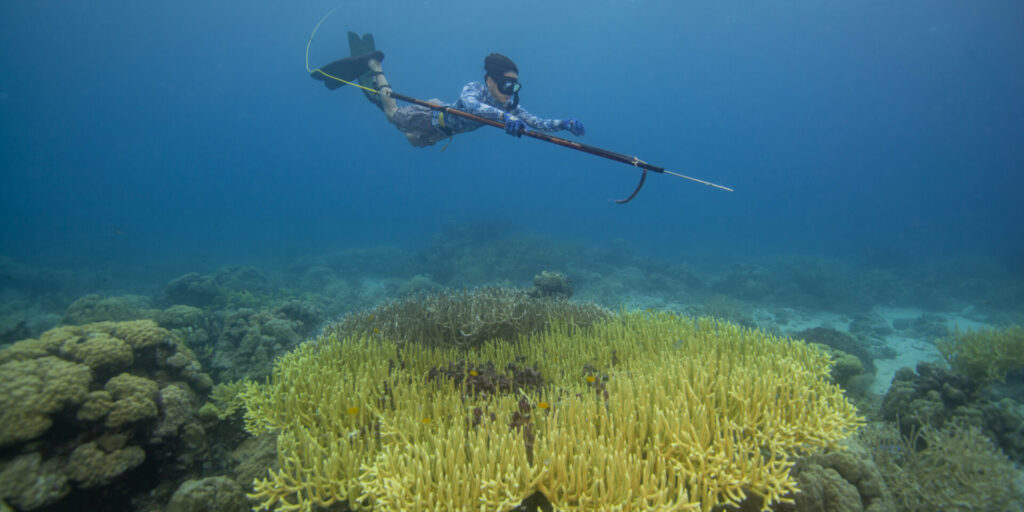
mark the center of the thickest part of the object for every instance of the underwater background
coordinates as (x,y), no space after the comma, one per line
(173,162)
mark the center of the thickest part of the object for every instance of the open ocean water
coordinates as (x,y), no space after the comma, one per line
(173,163)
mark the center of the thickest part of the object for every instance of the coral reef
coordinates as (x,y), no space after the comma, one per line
(212,494)
(82,406)
(927,326)
(935,396)
(481,253)
(840,341)
(234,342)
(226,398)
(639,412)
(551,284)
(465,317)
(747,282)
(840,480)
(870,324)
(228,287)
(250,339)
(97,308)
(725,308)
(986,355)
(847,370)
(954,468)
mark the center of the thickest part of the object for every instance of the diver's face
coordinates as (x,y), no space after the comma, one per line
(492,86)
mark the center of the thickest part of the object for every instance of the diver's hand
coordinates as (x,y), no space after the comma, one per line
(574,126)
(515,127)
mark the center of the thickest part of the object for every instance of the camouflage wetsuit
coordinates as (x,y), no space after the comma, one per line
(425,126)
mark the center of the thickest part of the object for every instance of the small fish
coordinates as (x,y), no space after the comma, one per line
(590,379)
(543,405)
(353,410)
(474,373)
(376,330)
(371,318)
(425,421)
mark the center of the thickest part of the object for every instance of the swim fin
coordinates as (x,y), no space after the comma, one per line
(349,68)
(359,46)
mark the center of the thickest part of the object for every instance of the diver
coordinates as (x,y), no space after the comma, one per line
(497,98)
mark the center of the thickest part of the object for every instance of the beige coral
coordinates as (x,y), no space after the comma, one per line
(178,410)
(33,389)
(29,349)
(98,350)
(139,333)
(28,482)
(96,405)
(90,466)
(134,399)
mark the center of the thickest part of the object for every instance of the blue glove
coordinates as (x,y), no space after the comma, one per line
(515,127)
(574,126)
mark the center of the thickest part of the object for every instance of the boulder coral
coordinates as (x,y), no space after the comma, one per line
(32,390)
(80,406)
(935,396)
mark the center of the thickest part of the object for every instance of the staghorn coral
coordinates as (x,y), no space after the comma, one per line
(226,398)
(986,355)
(640,412)
(465,318)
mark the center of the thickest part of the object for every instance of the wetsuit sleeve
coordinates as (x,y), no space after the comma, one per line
(470,97)
(542,125)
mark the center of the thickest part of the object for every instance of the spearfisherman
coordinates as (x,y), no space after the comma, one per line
(496,99)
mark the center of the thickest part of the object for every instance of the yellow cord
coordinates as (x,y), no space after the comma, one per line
(318,70)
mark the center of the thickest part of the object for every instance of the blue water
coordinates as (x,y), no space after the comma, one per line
(190,131)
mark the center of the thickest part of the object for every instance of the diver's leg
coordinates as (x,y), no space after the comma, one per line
(381,84)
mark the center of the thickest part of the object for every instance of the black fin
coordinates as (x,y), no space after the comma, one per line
(349,68)
(358,46)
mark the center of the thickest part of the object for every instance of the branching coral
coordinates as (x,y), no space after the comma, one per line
(986,355)
(686,414)
(226,397)
(955,468)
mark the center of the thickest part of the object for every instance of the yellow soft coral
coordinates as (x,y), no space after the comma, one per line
(685,415)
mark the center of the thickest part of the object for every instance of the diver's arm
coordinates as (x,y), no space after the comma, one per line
(542,125)
(471,99)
